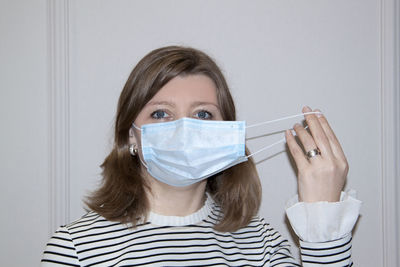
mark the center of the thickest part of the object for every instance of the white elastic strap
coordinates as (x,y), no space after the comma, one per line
(137,128)
(144,164)
(284,118)
(271,145)
(265,148)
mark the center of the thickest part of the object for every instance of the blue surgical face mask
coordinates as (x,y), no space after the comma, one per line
(186,151)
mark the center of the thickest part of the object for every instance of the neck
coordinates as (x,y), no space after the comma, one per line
(175,201)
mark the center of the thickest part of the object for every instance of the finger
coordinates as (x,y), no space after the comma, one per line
(295,150)
(334,142)
(318,133)
(305,138)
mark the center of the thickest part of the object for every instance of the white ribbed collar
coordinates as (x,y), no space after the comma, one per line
(193,218)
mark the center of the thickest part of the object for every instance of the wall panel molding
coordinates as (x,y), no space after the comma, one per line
(390,149)
(59,111)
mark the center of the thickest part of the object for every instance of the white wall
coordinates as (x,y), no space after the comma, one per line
(24,224)
(277,57)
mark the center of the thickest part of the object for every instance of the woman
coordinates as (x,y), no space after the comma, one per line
(179,190)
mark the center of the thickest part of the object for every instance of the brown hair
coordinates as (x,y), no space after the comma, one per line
(121,196)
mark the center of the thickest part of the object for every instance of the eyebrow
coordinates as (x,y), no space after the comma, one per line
(167,103)
(201,103)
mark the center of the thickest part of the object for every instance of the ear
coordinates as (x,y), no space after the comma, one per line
(132,138)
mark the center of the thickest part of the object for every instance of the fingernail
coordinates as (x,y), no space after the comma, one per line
(306,109)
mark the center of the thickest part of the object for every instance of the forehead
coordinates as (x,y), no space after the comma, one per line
(188,88)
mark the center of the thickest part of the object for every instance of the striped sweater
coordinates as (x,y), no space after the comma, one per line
(183,241)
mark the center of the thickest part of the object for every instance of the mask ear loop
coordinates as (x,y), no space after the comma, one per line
(284,118)
(271,145)
(276,120)
(137,128)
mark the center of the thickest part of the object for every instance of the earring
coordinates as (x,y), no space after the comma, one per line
(133,149)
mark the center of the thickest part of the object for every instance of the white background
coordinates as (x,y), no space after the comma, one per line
(64,63)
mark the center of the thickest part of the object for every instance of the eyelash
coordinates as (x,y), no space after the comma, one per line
(209,114)
(153,115)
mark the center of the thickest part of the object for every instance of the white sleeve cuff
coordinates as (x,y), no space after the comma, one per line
(323,221)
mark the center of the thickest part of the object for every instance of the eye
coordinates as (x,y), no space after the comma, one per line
(159,114)
(203,115)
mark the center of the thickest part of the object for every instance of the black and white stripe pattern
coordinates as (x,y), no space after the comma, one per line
(94,241)
(335,253)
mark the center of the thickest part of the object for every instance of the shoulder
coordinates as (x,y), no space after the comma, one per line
(87,221)
(62,246)
(64,234)
(90,225)
(261,231)
(258,224)
(257,228)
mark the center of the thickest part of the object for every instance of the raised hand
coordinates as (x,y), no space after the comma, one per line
(322,172)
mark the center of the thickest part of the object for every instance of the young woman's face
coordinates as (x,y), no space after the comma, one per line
(193,96)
